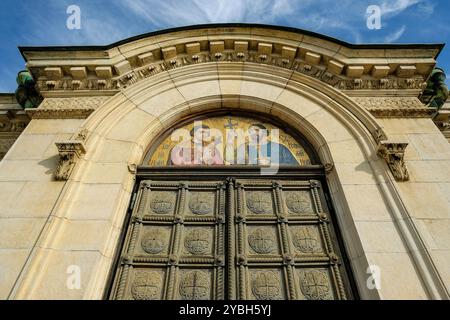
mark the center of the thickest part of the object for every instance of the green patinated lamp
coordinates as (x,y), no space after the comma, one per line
(436,92)
(26,94)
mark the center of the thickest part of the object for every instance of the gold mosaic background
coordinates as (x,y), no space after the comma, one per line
(161,154)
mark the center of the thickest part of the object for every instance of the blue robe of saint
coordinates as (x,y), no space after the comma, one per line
(285,155)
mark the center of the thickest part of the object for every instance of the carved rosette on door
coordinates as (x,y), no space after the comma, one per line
(230,239)
(172,250)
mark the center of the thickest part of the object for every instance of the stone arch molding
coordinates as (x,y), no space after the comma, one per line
(232,85)
(344,135)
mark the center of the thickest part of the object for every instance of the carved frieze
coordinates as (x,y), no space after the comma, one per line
(60,114)
(382,84)
(394,153)
(67,108)
(72,103)
(389,107)
(319,72)
(76,85)
(13,126)
(69,153)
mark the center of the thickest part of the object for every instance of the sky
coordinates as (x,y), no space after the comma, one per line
(44,22)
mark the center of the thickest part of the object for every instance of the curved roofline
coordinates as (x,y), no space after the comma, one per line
(438,46)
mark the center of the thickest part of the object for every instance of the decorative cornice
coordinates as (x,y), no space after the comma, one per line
(130,75)
(394,153)
(395,107)
(341,65)
(69,153)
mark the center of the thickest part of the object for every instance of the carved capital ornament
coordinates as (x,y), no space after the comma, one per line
(69,153)
(393,153)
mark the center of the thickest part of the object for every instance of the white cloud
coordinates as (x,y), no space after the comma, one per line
(396,7)
(393,37)
(130,17)
(172,12)
(127,18)
(426,7)
(317,15)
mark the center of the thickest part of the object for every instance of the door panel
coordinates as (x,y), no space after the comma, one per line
(286,248)
(231,239)
(172,250)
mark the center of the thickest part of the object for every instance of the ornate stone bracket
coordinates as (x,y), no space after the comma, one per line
(393,153)
(69,153)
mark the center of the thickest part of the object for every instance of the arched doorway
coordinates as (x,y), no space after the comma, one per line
(218,224)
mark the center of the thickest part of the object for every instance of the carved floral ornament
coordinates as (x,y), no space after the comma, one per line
(195,285)
(146,285)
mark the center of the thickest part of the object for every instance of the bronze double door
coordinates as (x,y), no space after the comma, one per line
(232,239)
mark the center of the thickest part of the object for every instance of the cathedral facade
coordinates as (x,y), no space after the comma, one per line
(230,161)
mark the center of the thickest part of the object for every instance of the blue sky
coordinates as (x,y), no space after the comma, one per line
(43,22)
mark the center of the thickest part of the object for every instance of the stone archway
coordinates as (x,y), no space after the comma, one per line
(202,241)
(344,135)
